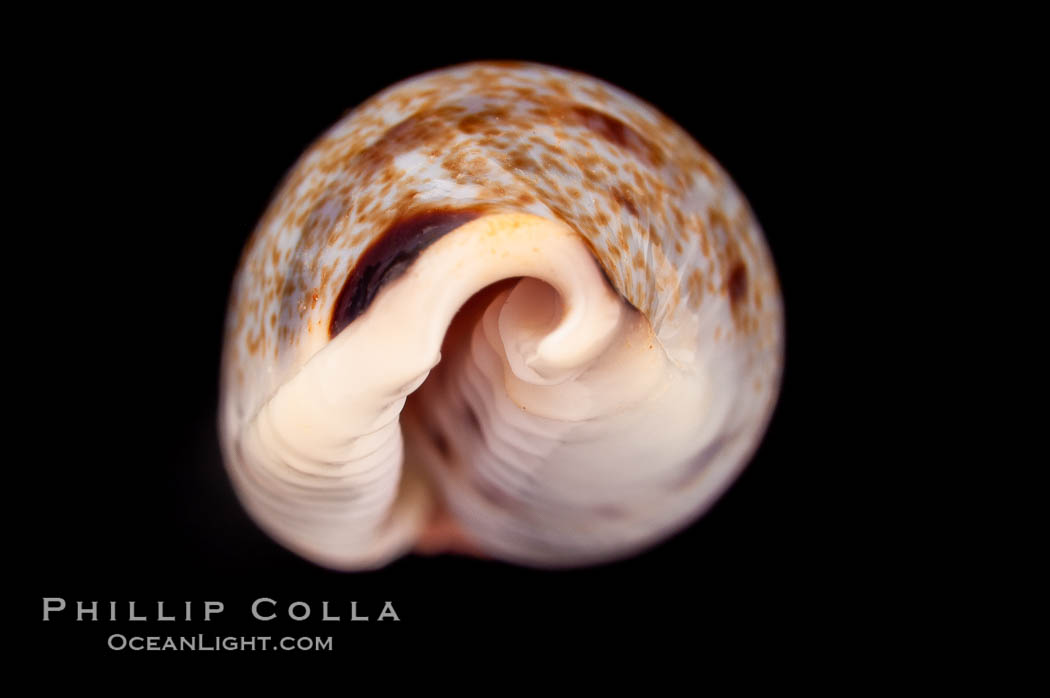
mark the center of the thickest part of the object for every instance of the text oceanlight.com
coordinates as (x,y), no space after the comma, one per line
(216,643)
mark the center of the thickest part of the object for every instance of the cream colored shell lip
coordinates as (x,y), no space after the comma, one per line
(598,398)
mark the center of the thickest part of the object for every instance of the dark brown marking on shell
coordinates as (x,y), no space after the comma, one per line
(736,285)
(389,256)
(482,120)
(625,200)
(425,127)
(615,131)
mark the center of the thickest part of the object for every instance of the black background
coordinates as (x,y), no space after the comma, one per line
(156,160)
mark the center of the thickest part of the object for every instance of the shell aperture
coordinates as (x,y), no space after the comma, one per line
(498,308)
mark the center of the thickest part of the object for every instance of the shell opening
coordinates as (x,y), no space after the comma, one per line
(562,379)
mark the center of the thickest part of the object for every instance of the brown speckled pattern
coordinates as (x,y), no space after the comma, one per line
(665,221)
